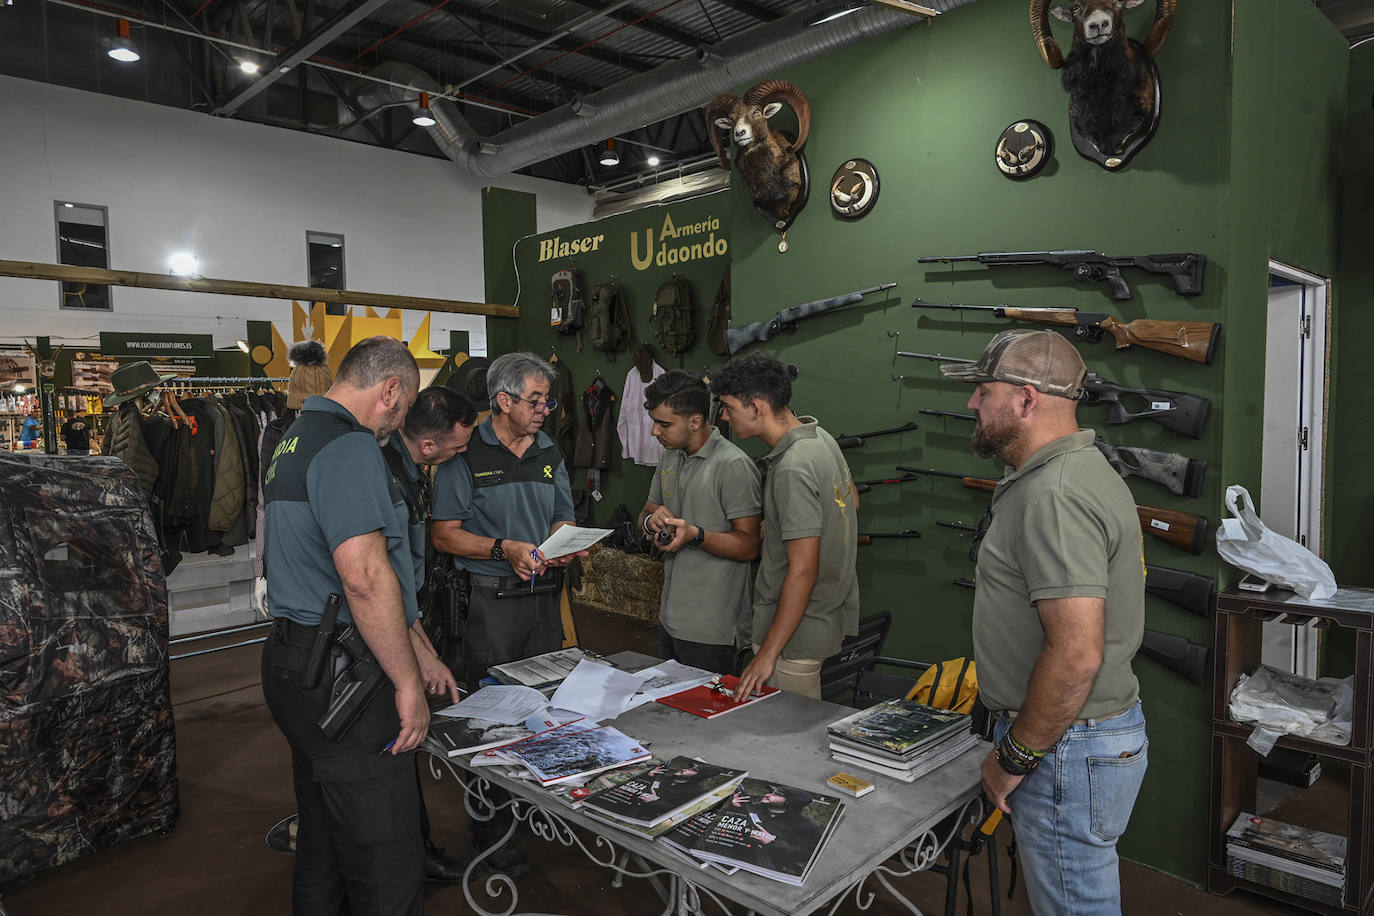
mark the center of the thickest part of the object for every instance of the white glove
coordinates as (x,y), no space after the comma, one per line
(258,599)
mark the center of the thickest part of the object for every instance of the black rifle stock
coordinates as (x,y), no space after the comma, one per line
(1185,658)
(1182,476)
(1180,588)
(319,649)
(867,539)
(1195,341)
(357,679)
(1176,411)
(737,339)
(1086,265)
(857,441)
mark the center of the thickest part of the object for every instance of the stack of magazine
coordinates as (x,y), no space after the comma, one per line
(653,800)
(901,738)
(572,751)
(1286,857)
(766,828)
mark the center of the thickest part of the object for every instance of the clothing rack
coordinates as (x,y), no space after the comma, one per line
(197,381)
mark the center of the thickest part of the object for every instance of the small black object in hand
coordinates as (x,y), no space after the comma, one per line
(664,536)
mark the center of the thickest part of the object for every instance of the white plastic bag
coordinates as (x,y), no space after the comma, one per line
(1282,703)
(1246,543)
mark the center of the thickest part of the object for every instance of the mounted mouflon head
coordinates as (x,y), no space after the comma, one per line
(1112,81)
(769,161)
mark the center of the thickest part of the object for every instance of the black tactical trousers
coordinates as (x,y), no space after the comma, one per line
(358,849)
(501,630)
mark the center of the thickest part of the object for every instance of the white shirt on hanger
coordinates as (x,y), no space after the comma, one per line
(635,426)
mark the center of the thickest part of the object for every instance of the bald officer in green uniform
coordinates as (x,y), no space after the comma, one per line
(335,524)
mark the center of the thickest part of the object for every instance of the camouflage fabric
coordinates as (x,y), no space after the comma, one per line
(87,743)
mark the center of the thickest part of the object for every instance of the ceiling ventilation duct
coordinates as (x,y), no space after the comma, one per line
(646,98)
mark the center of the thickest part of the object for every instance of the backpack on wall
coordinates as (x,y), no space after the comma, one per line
(568,312)
(719,319)
(948,685)
(608,325)
(672,315)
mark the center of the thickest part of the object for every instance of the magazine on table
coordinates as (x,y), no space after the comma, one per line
(901,727)
(658,794)
(920,766)
(1300,850)
(579,753)
(574,791)
(772,830)
(467,736)
(538,728)
(540,670)
(715,698)
(714,800)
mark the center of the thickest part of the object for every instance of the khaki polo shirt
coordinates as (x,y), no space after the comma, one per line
(807,492)
(706,597)
(1063,525)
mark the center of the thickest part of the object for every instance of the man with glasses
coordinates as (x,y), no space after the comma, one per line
(806,593)
(1058,614)
(493,506)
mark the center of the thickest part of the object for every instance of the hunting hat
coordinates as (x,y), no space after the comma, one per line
(132,379)
(471,379)
(310,373)
(1042,359)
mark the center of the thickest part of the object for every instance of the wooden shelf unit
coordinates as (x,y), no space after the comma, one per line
(1239,620)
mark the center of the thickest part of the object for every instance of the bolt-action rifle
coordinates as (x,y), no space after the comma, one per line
(858,441)
(1185,658)
(1089,266)
(1191,340)
(737,339)
(863,486)
(867,539)
(1183,530)
(930,412)
(1176,411)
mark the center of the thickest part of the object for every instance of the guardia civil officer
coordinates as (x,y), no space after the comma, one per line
(493,506)
(335,524)
(1057,617)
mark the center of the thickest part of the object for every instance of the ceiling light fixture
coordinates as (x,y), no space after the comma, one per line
(249,66)
(610,156)
(122,47)
(183,264)
(653,159)
(423,116)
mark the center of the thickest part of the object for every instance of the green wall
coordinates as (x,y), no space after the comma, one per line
(1241,171)
(506,217)
(627,247)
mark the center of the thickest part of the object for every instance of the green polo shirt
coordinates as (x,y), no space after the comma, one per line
(325,483)
(807,492)
(706,597)
(1064,525)
(497,495)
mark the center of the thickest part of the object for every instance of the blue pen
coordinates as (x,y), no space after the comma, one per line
(534,555)
(389,746)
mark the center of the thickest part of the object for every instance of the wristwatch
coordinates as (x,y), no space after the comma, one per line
(496,552)
(697,539)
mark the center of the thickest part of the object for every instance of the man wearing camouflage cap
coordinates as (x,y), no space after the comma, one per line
(1058,615)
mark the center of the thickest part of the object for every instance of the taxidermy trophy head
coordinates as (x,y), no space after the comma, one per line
(769,161)
(1112,80)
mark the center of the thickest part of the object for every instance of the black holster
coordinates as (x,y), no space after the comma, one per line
(356,679)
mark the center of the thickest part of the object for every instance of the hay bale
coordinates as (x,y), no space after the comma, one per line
(621,583)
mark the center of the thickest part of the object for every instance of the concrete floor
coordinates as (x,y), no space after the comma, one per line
(235,783)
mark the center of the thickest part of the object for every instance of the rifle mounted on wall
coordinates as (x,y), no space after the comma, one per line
(858,441)
(737,339)
(1087,266)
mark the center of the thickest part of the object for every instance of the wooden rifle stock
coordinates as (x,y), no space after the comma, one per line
(1191,340)
(1181,529)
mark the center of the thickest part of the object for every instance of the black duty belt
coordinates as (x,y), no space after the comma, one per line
(293,633)
(552,577)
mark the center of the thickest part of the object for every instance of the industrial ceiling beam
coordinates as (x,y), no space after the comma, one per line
(288,59)
(624,61)
(628,17)
(751,9)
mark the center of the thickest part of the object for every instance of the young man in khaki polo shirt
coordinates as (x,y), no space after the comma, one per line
(707,497)
(806,595)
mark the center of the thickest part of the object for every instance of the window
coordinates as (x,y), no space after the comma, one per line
(83,241)
(325,257)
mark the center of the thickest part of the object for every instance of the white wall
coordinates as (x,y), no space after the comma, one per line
(241,197)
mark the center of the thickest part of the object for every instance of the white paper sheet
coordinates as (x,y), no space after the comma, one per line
(570,539)
(667,678)
(597,691)
(499,703)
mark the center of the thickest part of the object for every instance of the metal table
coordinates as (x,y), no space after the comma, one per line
(780,739)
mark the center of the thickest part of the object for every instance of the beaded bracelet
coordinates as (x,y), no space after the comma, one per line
(1015,758)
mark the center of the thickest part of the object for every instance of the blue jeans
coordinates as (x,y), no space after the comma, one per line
(1070,812)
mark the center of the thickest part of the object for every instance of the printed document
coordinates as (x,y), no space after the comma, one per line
(570,539)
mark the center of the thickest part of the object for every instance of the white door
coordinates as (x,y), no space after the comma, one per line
(1290,497)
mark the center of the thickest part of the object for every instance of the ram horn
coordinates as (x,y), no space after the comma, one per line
(781,90)
(720,106)
(1164,19)
(1044,38)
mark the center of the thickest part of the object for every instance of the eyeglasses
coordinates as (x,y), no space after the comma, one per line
(548,405)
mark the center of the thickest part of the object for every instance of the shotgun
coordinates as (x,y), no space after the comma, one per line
(857,441)
(1187,590)
(863,486)
(1183,530)
(1186,270)
(1191,340)
(1176,411)
(1181,656)
(867,539)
